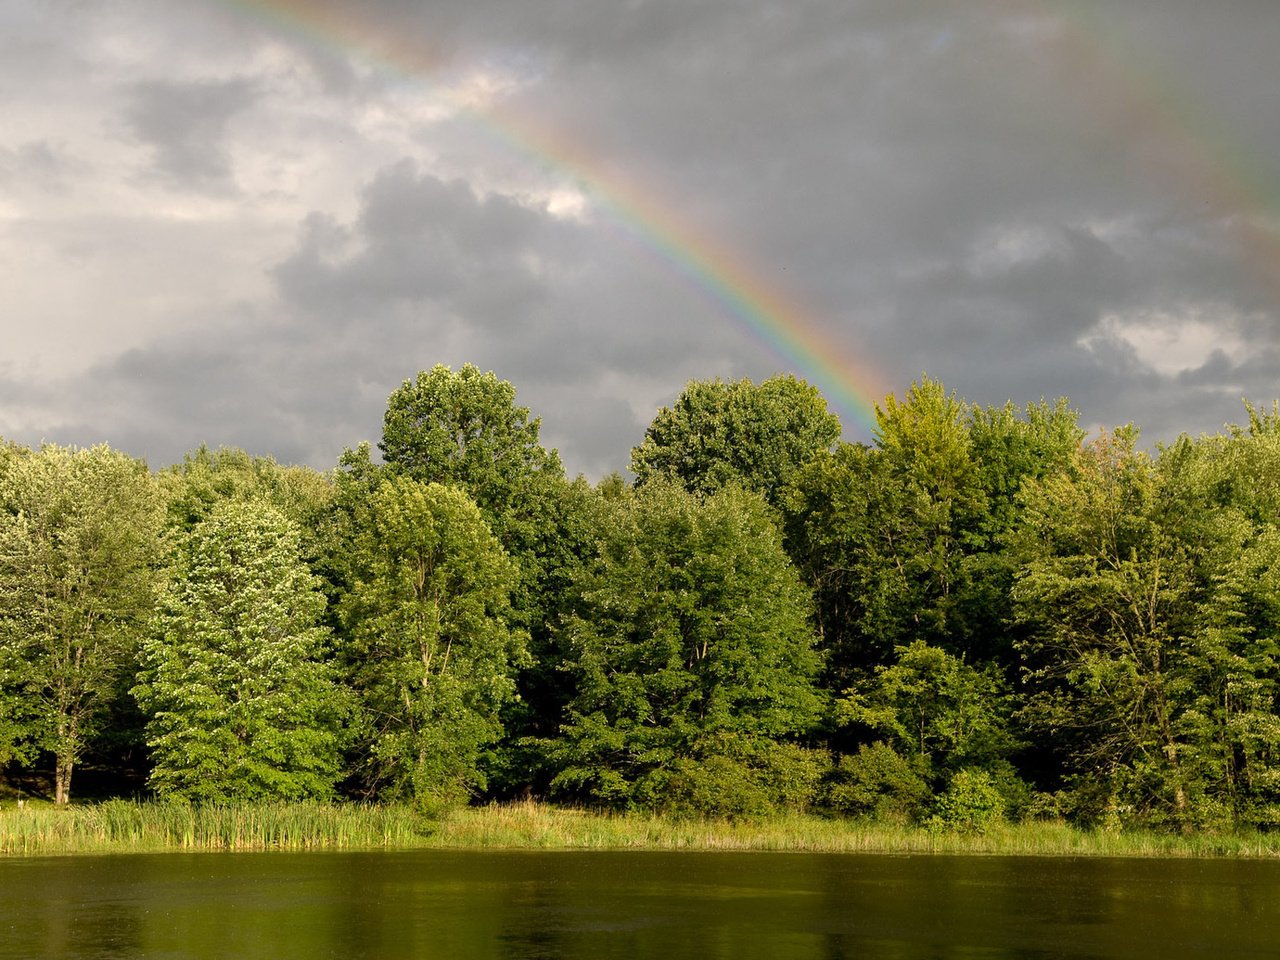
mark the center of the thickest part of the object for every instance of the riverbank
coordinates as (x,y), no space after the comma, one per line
(119,826)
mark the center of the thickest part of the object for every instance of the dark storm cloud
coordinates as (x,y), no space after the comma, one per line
(1004,194)
(185,125)
(417,238)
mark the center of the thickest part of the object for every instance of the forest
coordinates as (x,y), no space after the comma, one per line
(986,614)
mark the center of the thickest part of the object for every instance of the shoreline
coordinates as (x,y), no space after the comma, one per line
(126,826)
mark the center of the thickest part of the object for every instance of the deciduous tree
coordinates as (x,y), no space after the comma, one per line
(432,650)
(693,657)
(241,701)
(78,545)
(736,432)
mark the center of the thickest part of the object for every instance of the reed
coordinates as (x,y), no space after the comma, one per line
(126,826)
(540,826)
(118,826)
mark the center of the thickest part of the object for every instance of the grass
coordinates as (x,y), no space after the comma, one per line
(118,826)
(121,826)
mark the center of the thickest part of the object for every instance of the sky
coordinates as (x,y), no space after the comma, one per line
(246,223)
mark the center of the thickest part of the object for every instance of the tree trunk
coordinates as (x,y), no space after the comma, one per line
(62,779)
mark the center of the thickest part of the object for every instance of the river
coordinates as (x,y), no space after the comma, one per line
(669,906)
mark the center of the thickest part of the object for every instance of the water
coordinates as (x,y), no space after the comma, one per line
(462,905)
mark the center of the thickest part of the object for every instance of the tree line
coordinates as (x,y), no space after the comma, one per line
(983,614)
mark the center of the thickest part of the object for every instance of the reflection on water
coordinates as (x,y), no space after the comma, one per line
(670,906)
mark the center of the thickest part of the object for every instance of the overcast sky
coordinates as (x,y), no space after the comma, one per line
(245,223)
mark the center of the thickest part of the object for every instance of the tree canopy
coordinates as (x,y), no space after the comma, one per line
(234,677)
(736,432)
(979,614)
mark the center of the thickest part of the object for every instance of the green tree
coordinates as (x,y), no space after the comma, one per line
(692,657)
(207,477)
(78,545)
(241,702)
(432,650)
(939,715)
(1109,592)
(736,432)
(464,429)
(932,705)
(1226,510)
(907,540)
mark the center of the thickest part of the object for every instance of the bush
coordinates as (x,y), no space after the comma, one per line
(732,779)
(878,782)
(973,803)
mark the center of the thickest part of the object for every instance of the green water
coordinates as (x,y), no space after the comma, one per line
(661,905)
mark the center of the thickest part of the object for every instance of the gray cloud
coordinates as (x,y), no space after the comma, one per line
(1025,200)
(185,125)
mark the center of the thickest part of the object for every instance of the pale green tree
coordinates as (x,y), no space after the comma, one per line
(432,650)
(207,477)
(241,702)
(78,549)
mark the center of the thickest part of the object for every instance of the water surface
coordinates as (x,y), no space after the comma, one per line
(471,904)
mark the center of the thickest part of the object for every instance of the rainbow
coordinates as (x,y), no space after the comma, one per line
(742,291)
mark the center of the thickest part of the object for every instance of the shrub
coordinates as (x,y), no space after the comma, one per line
(972,803)
(878,782)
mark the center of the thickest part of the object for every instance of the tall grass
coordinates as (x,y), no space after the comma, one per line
(538,826)
(121,826)
(124,826)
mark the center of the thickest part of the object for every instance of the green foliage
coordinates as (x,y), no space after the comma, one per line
(242,705)
(934,708)
(907,540)
(432,651)
(972,803)
(689,640)
(1109,590)
(78,542)
(987,602)
(205,478)
(464,429)
(879,782)
(735,432)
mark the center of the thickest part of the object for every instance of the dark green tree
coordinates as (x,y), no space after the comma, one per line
(432,650)
(930,714)
(1109,593)
(906,540)
(693,660)
(465,429)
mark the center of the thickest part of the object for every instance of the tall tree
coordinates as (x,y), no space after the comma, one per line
(465,429)
(1109,593)
(207,477)
(78,546)
(241,701)
(906,540)
(736,432)
(692,656)
(432,651)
